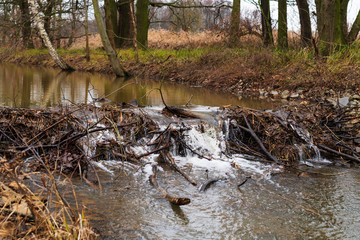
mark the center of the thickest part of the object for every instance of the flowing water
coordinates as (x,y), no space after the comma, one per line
(314,201)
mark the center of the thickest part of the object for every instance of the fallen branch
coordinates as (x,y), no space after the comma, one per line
(243,182)
(51,126)
(170,198)
(347,147)
(253,134)
(179,112)
(153,151)
(173,164)
(339,153)
(208,183)
(132,159)
(86,132)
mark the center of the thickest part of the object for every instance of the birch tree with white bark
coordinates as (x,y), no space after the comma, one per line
(45,37)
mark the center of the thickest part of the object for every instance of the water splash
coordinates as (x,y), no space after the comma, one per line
(205,151)
(307,151)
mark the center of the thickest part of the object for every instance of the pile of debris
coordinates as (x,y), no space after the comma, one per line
(66,139)
(295,132)
(54,137)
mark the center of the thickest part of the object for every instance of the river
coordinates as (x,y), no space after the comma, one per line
(26,86)
(313,201)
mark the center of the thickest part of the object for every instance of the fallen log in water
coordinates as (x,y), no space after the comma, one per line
(170,198)
(243,182)
(179,112)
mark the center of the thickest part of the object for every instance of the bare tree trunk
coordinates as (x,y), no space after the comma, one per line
(133,36)
(266,23)
(330,24)
(45,37)
(47,18)
(109,6)
(305,23)
(235,22)
(73,23)
(282,24)
(117,68)
(4,28)
(343,18)
(58,29)
(142,22)
(87,50)
(26,24)
(125,24)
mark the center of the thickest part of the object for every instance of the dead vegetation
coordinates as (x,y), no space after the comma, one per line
(165,39)
(58,138)
(296,133)
(38,144)
(40,214)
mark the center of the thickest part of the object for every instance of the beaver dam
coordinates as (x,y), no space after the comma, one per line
(150,156)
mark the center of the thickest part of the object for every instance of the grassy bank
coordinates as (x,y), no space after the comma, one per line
(249,69)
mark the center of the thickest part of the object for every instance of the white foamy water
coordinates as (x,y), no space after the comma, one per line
(89,142)
(206,148)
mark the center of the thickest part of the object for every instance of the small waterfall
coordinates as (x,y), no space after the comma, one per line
(196,145)
(309,150)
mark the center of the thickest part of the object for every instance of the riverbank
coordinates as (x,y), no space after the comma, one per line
(244,71)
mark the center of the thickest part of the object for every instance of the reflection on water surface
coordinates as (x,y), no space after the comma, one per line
(25,86)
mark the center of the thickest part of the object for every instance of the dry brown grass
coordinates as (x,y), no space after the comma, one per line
(44,214)
(169,39)
(94,42)
(164,39)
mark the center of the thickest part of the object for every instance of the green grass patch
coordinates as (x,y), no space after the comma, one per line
(158,55)
(34,52)
(75,52)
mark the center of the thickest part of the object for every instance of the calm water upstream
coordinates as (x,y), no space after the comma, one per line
(24,86)
(323,203)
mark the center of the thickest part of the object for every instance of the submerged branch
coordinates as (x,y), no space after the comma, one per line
(170,198)
(176,167)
